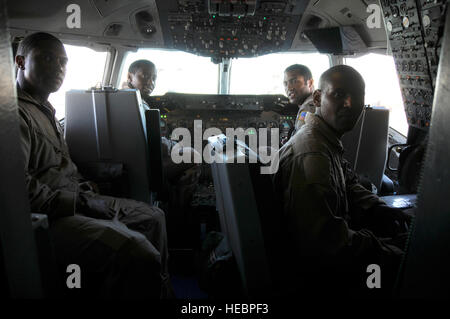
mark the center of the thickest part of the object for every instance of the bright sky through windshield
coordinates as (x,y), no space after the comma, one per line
(382,86)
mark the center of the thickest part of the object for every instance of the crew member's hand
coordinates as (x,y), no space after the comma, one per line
(89,186)
(284,140)
(388,221)
(94,206)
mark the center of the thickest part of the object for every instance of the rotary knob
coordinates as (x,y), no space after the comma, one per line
(389,26)
(406,22)
(395,11)
(426,21)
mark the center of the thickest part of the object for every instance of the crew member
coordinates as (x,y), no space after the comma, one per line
(299,86)
(180,179)
(336,228)
(119,244)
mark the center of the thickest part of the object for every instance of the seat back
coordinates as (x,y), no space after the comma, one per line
(107,129)
(366,145)
(153,133)
(244,219)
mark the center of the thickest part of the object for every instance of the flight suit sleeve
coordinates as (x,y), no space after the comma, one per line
(44,200)
(311,213)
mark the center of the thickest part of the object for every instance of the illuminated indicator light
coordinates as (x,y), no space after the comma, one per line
(239,17)
(214,16)
(235,39)
(228,39)
(265,18)
(221,39)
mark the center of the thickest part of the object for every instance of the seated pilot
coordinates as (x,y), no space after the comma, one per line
(299,87)
(335,227)
(181,179)
(119,243)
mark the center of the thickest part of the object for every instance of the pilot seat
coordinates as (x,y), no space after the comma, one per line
(115,142)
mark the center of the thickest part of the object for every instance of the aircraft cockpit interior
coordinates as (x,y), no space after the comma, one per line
(189,108)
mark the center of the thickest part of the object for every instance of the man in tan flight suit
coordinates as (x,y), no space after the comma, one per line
(142,75)
(335,227)
(180,179)
(119,244)
(299,86)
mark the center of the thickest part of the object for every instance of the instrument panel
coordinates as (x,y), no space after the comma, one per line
(231,29)
(415,30)
(249,112)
